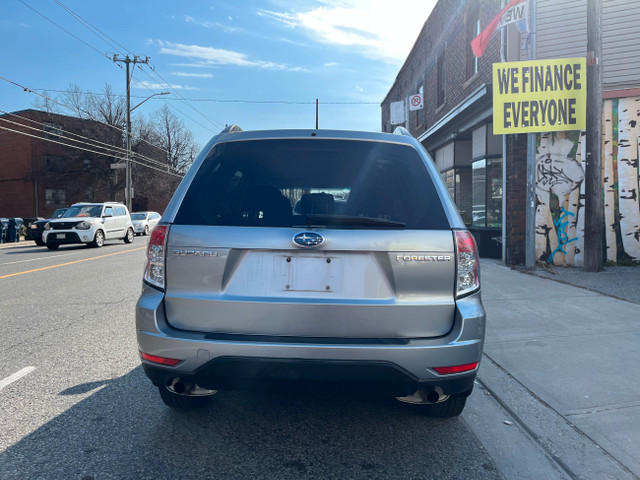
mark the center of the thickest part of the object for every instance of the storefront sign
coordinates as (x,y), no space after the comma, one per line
(539,96)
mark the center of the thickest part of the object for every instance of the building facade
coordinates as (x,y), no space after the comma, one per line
(487,174)
(48,161)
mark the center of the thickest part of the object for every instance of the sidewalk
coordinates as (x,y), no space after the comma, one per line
(564,363)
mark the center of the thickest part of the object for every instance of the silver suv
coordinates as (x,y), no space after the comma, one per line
(330,257)
(90,223)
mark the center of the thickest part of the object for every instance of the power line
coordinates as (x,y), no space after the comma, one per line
(183,100)
(91,151)
(222,100)
(102,36)
(63,29)
(111,149)
(97,32)
(29,90)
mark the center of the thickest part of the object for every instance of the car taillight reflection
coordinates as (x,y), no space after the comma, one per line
(156,252)
(467,260)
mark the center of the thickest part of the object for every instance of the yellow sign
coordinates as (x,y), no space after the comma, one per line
(540,96)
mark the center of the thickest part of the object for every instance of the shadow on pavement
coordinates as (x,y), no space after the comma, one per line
(124,431)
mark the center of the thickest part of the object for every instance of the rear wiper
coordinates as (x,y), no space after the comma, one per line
(321,220)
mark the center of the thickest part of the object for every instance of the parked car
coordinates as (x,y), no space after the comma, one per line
(35,229)
(90,223)
(372,283)
(143,222)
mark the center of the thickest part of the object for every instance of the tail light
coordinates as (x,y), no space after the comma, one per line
(154,273)
(467,260)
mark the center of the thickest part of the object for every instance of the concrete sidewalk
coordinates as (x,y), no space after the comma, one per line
(564,363)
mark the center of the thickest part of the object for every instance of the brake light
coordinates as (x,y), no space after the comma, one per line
(456,369)
(467,260)
(161,360)
(156,255)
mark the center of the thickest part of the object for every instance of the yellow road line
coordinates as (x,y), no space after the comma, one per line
(71,263)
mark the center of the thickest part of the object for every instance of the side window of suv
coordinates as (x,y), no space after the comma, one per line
(108,212)
(120,211)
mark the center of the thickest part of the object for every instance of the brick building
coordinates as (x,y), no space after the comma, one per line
(49,160)
(455,126)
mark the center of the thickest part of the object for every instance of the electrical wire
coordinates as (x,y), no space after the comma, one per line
(96,31)
(111,149)
(91,151)
(29,90)
(101,34)
(221,100)
(64,29)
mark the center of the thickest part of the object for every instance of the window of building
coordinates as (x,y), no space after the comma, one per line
(53,163)
(442,77)
(87,163)
(52,130)
(473,30)
(55,196)
(486,192)
(88,195)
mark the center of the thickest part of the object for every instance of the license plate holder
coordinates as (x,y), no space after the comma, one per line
(313,274)
(61,236)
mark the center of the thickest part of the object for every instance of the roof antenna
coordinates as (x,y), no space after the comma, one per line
(316,114)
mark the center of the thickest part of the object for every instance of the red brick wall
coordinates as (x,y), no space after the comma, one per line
(24,174)
(444,31)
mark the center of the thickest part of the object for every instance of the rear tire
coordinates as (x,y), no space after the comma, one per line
(451,407)
(98,240)
(182,402)
(128,238)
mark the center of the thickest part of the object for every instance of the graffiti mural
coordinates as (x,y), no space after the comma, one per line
(560,189)
(559,180)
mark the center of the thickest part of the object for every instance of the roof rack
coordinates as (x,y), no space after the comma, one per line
(231,128)
(402,131)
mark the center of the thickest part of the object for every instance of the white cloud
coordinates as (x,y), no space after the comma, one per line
(359,89)
(378,28)
(331,64)
(161,86)
(192,75)
(218,56)
(212,25)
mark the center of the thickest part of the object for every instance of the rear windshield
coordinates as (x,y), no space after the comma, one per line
(313,182)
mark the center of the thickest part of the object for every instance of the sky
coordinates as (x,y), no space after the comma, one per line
(259,64)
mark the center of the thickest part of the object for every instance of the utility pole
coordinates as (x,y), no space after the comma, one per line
(128,61)
(532,140)
(594,202)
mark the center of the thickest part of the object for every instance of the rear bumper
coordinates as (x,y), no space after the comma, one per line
(228,363)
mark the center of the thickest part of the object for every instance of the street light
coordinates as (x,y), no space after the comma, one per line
(127,193)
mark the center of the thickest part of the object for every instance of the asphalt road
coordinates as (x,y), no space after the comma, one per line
(82,407)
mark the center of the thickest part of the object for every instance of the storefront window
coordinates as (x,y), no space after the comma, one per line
(478,193)
(487,192)
(494,193)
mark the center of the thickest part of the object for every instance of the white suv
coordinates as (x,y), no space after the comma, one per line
(90,223)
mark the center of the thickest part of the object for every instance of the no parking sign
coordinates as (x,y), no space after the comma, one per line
(415,102)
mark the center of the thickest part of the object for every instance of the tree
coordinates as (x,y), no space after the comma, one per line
(175,139)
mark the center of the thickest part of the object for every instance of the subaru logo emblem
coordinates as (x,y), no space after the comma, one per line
(308,239)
